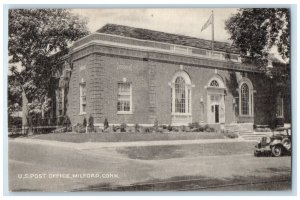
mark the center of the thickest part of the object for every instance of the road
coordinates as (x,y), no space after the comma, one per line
(55,166)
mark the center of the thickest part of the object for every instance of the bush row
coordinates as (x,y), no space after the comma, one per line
(193,127)
(87,126)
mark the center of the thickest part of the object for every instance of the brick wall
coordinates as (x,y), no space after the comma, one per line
(151,92)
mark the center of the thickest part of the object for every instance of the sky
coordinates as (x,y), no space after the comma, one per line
(186,21)
(183,21)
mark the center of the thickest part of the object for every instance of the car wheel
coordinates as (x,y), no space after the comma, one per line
(287,144)
(277,151)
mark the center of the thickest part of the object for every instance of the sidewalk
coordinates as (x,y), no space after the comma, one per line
(96,145)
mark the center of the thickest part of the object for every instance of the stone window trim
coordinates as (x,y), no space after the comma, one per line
(82,96)
(187,111)
(130,111)
(245,81)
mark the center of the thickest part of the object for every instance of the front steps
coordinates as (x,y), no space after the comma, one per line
(245,131)
(254,136)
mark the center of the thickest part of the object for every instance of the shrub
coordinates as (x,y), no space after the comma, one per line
(67,122)
(82,129)
(197,128)
(79,128)
(170,128)
(147,130)
(123,127)
(14,122)
(105,124)
(137,128)
(164,127)
(114,128)
(194,125)
(60,130)
(183,128)
(155,126)
(91,124)
(91,121)
(231,135)
(84,122)
(206,126)
(210,129)
(200,129)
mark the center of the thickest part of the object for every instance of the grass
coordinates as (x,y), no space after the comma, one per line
(190,150)
(126,137)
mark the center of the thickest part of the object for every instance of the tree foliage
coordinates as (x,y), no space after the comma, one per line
(255,31)
(38,40)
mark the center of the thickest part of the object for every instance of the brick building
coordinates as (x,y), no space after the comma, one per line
(134,76)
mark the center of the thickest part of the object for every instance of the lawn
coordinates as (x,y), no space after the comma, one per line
(190,150)
(127,137)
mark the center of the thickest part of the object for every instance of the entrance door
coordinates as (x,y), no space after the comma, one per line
(216,109)
(216,113)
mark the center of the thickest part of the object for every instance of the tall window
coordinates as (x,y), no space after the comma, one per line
(124,98)
(279,106)
(60,101)
(181,92)
(180,99)
(82,98)
(245,99)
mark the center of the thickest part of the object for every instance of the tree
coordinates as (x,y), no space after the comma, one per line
(255,31)
(38,40)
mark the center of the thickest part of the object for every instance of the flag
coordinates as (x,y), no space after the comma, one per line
(207,23)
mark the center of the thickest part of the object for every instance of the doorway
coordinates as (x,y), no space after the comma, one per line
(215,114)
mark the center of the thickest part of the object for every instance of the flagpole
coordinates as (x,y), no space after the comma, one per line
(212,30)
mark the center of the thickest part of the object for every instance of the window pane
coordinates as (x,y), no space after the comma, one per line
(180,95)
(245,99)
(123,97)
(214,83)
(82,92)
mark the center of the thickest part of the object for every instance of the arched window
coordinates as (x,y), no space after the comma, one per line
(180,99)
(181,93)
(245,99)
(214,83)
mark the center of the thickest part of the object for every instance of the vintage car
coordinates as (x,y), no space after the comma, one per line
(276,145)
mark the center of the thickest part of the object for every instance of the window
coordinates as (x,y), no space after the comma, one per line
(82,98)
(245,99)
(181,92)
(189,100)
(60,101)
(124,98)
(214,83)
(279,106)
(180,95)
